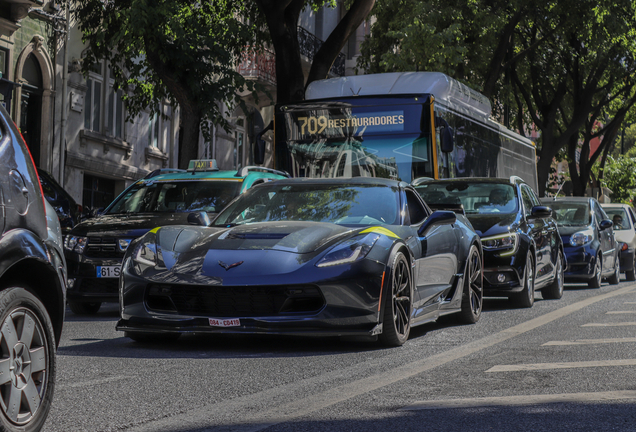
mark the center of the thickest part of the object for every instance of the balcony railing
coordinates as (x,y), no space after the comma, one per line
(309,46)
(260,65)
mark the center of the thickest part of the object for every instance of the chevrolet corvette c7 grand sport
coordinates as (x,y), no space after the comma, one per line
(314,257)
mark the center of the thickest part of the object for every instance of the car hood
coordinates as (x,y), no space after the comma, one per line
(492,224)
(569,230)
(127,225)
(295,237)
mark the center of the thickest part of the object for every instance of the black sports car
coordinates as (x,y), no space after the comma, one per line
(362,256)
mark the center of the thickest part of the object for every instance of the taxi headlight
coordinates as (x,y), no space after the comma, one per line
(582,237)
(506,243)
(75,243)
(349,251)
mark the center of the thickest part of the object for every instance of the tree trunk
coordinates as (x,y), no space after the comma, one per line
(189,142)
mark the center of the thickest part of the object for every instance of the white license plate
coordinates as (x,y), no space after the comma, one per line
(219,322)
(108,271)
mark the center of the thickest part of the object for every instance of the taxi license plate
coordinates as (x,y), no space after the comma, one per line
(108,271)
(218,322)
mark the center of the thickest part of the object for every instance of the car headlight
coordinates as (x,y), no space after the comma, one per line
(582,237)
(349,251)
(506,243)
(147,254)
(75,243)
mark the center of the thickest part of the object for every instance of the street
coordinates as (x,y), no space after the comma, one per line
(562,365)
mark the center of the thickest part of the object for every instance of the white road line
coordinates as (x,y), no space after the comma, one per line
(620,312)
(521,400)
(620,324)
(589,341)
(562,365)
(237,410)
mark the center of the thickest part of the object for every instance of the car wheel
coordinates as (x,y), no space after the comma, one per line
(27,361)
(473,293)
(81,308)
(615,278)
(595,282)
(398,303)
(142,337)
(554,291)
(525,298)
(630,275)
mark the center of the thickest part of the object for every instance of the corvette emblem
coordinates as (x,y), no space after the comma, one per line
(229,266)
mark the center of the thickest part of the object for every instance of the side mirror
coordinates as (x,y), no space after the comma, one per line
(440,217)
(200,218)
(541,211)
(446,137)
(605,224)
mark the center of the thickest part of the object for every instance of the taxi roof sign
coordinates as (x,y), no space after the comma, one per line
(203,165)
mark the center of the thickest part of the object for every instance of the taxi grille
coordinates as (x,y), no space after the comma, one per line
(99,285)
(223,301)
(102,247)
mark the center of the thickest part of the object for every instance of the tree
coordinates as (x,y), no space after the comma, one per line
(183,51)
(620,178)
(281,18)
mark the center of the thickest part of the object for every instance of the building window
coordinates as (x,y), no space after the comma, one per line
(115,117)
(110,104)
(153,130)
(93,101)
(98,192)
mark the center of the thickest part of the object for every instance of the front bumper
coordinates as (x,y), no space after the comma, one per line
(84,285)
(580,262)
(503,275)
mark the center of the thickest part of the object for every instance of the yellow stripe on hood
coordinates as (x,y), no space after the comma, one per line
(379,230)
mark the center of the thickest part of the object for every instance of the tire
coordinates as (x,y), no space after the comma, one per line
(473,290)
(398,303)
(630,275)
(615,278)
(525,298)
(554,291)
(595,282)
(27,345)
(81,308)
(142,337)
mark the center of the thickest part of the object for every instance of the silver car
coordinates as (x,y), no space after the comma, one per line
(624,220)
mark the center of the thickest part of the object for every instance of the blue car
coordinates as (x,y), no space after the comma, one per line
(588,240)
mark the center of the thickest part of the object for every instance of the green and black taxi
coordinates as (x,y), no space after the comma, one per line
(94,248)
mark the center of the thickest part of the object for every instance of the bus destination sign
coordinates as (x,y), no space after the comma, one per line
(325,124)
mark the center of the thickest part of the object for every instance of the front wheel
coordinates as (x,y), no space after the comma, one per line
(595,282)
(27,361)
(630,275)
(555,290)
(615,278)
(525,298)
(473,292)
(398,303)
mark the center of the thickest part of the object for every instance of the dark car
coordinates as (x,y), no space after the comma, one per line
(522,248)
(316,257)
(588,239)
(32,288)
(68,211)
(95,247)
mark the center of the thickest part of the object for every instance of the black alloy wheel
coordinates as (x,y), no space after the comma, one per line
(473,292)
(525,298)
(82,308)
(27,361)
(554,291)
(398,303)
(596,280)
(615,278)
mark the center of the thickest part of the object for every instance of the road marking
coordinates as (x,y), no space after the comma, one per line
(620,324)
(562,365)
(589,341)
(521,400)
(235,412)
(620,312)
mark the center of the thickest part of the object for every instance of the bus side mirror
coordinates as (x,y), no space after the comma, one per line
(446,137)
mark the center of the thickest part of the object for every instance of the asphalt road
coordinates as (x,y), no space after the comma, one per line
(563,365)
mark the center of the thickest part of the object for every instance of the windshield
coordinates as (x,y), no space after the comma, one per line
(347,205)
(619,218)
(176,197)
(571,214)
(476,198)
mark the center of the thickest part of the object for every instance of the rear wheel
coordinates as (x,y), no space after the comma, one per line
(630,275)
(473,293)
(595,282)
(398,303)
(525,298)
(27,361)
(81,308)
(555,290)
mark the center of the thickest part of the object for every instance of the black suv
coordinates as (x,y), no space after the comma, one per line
(523,251)
(32,288)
